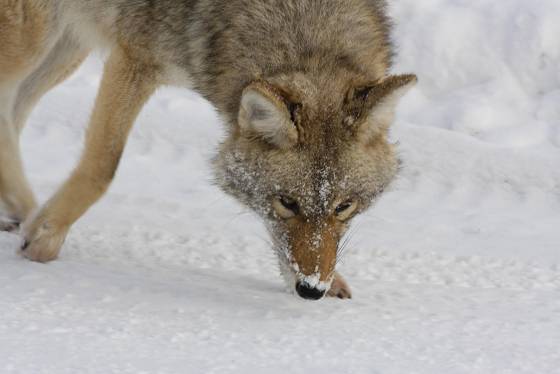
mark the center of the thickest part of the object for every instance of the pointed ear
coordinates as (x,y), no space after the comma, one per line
(265,114)
(371,109)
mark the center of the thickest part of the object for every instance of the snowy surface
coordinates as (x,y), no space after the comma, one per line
(456,270)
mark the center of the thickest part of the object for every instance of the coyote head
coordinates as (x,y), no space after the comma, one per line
(308,156)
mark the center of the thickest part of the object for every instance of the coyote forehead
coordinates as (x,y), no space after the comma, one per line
(317,139)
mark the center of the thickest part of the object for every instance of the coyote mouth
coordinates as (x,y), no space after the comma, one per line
(314,281)
(306,286)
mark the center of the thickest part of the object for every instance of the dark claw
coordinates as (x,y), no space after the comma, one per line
(25,245)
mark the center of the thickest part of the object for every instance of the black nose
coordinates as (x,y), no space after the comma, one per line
(308,292)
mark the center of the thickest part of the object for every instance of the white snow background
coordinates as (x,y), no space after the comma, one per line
(456,270)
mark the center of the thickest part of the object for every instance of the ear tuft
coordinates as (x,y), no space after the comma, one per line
(373,106)
(264,114)
(392,88)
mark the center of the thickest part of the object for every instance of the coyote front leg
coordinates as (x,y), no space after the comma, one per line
(126,86)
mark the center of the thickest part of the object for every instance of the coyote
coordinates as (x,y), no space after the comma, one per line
(302,86)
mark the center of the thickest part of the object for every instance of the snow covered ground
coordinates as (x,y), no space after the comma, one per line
(456,270)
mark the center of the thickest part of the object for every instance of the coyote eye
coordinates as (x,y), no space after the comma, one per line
(344,211)
(285,207)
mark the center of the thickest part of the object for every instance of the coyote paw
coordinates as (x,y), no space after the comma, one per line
(339,288)
(42,240)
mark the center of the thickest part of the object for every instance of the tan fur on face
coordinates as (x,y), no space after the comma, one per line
(314,246)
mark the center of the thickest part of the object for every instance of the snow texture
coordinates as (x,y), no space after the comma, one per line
(455,270)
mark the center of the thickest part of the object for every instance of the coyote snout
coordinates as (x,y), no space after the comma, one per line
(310,252)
